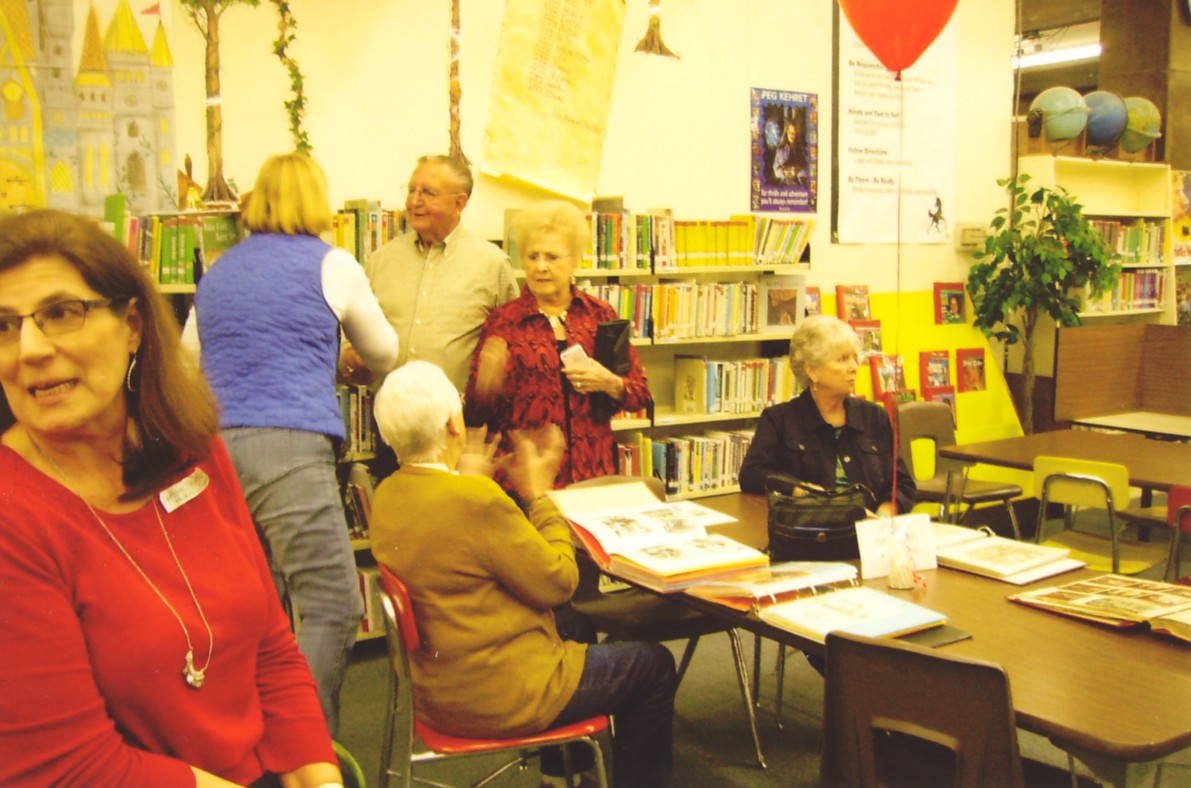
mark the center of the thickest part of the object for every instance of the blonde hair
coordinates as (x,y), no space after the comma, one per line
(816,341)
(554,216)
(412,409)
(290,197)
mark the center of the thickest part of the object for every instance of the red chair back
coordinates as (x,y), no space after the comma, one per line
(1176,498)
(393,586)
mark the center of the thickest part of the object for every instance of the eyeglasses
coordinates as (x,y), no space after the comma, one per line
(54,319)
(427,195)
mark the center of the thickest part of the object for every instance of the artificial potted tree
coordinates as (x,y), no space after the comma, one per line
(1040,255)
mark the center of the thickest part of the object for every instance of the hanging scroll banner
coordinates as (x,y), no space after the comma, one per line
(552,92)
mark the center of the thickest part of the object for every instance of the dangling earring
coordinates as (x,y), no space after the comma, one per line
(128,378)
(814,387)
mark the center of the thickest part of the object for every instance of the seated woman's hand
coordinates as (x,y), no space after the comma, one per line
(478,452)
(533,464)
(352,369)
(594,377)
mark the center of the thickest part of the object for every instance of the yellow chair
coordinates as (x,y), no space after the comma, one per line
(1102,485)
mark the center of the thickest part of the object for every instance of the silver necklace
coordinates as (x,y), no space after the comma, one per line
(194,676)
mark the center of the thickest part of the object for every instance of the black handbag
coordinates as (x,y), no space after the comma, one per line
(808,523)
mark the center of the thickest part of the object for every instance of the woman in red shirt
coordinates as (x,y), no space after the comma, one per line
(525,373)
(144,643)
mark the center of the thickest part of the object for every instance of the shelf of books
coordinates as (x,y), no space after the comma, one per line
(1130,205)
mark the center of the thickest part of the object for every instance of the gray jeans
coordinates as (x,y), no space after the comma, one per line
(289,482)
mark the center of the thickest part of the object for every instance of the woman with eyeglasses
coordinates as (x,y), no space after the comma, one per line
(143,640)
(266,322)
(534,364)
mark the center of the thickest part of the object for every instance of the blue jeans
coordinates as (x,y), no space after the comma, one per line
(289,481)
(635,683)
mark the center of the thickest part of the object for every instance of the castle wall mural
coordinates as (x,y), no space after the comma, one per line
(87,98)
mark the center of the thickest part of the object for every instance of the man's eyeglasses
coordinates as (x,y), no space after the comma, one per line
(54,319)
(428,195)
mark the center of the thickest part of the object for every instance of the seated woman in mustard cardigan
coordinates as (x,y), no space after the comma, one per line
(484,577)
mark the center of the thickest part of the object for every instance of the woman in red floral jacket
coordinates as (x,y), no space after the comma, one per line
(519,379)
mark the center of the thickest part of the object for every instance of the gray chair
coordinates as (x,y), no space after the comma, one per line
(950,486)
(637,614)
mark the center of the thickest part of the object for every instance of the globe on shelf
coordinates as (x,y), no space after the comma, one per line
(1142,124)
(1106,118)
(1064,112)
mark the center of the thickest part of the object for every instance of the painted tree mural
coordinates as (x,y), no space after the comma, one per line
(206,15)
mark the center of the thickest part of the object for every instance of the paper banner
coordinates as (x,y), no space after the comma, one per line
(552,92)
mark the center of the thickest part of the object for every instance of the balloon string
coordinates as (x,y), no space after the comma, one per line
(897,349)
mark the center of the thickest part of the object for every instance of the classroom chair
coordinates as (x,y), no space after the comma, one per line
(398,752)
(349,767)
(893,709)
(1102,485)
(950,486)
(637,614)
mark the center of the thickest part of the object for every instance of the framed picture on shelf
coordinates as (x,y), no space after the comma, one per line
(869,332)
(896,397)
(782,301)
(814,304)
(969,369)
(888,373)
(949,303)
(934,369)
(943,394)
(851,302)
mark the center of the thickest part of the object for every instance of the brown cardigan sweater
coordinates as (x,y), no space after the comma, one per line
(483,580)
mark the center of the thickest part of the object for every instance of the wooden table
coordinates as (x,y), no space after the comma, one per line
(1152,464)
(1119,700)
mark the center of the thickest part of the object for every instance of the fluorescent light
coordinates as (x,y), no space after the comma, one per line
(1054,56)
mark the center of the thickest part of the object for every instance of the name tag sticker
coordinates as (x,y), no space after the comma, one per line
(177,494)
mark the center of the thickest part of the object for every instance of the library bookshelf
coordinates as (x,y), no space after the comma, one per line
(1123,195)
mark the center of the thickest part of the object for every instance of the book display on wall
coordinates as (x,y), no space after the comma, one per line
(949,303)
(888,374)
(891,399)
(814,304)
(934,369)
(687,464)
(969,369)
(1119,601)
(782,302)
(708,386)
(851,302)
(174,247)
(869,332)
(945,394)
(1182,286)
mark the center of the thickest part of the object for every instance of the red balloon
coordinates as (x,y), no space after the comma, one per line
(897,31)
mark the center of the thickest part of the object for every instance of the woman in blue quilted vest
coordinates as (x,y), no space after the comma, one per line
(266,322)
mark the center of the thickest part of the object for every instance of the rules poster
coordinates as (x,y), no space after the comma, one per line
(552,92)
(785,151)
(894,144)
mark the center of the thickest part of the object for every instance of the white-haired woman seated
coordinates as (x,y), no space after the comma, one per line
(825,435)
(484,577)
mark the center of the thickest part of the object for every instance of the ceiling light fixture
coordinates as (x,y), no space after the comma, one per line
(1053,57)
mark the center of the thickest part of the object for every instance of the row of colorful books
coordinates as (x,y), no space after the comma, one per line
(668,311)
(362,226)
(687,463)
(1135,242)
(706,386)
(372,623)
(355,405)
(1138,288)
(174,247)
(656,242)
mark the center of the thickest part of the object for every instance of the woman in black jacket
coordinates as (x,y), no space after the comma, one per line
(825,435)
